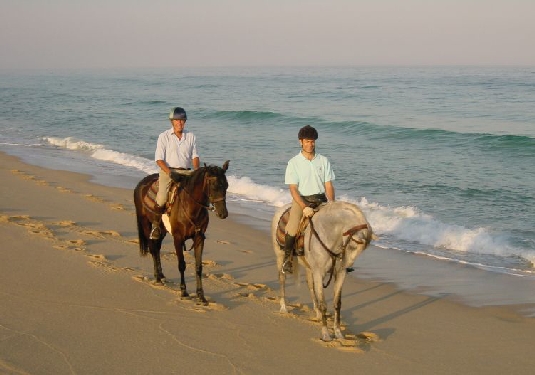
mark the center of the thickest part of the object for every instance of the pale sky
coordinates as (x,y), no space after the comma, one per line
(175,33)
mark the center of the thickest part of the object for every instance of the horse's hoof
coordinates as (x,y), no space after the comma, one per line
(326,338)
(325,335)
(184,294)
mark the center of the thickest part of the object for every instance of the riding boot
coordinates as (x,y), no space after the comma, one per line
(155,233)
(289,242)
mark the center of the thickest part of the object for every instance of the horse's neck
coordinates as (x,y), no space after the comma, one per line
(194,190)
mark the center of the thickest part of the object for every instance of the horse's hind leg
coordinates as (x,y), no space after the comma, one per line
(179,250)
(154,248)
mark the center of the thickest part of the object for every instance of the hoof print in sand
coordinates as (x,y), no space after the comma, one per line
(101,233)
(63,190)
(93,198)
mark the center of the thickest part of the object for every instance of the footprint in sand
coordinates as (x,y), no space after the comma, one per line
(98,257)
(99,260)
(76,242)
(93,198)
(368,336)
(65,223)
(42,183)
(14,219)
(63,190)
(222,276)
(223,242)
(101,233)
(117,206)
(209,263)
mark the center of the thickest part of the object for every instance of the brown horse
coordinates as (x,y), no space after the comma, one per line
(188,217)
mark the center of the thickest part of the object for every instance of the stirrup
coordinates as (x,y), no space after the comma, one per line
(155,233)
(287,266)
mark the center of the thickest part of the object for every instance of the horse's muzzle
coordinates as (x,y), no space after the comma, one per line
(220,209)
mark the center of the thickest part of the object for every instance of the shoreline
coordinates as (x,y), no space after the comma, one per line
(76,297)
(410,272)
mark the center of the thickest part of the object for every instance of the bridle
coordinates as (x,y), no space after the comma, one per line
(334,256)
(208,197)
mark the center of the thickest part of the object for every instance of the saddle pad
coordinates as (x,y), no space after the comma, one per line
(149,197)
(281,231)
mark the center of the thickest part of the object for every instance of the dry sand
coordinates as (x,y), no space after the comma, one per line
(76,298)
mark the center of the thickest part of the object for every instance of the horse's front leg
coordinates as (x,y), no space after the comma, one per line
(282,297)
(322,306)
(310,283)
(154,248)
(337,301)
(198,243)
(179,249)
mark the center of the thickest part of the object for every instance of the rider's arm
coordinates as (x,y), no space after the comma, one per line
(196,163)
(329,191)
(163,165)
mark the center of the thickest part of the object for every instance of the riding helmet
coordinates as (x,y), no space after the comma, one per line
(178,113)
(307,132)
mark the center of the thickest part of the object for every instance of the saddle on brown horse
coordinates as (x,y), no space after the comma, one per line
(151,190)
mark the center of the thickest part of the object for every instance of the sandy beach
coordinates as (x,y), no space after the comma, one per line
(77,298)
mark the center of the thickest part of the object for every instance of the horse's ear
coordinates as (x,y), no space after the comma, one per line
(204,165)
(225,165)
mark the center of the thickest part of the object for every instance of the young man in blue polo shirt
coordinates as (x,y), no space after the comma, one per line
(310,178)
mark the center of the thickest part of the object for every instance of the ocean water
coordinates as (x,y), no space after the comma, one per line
(440,159)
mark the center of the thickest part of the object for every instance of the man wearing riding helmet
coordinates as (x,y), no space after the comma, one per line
(310,179)
(176,148)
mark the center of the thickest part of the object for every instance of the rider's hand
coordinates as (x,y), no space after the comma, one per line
(308,212)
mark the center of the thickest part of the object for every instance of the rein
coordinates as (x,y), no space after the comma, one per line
(350,232)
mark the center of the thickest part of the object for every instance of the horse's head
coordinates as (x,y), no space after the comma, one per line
(217,188)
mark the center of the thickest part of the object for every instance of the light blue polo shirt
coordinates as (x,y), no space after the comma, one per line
(310,176)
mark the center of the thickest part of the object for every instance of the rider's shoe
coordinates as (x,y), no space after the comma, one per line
(289,242)
(156,232)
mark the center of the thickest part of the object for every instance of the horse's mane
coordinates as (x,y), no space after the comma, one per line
(191,180)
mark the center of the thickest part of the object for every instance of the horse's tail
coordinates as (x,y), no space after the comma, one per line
(138,201)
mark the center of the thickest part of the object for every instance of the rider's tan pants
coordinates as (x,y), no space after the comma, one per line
(165,182)
(296,213)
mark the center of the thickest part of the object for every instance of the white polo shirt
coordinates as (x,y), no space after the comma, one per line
(177,153)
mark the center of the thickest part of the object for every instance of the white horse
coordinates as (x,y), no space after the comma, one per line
(334,238)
